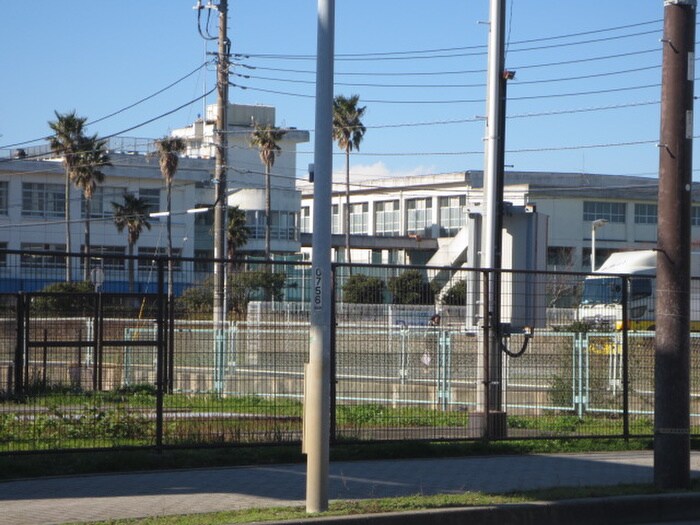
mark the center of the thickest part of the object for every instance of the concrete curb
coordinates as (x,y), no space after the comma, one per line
(597,511)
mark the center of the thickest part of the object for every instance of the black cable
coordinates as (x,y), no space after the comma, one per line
(8,146)
(149,96)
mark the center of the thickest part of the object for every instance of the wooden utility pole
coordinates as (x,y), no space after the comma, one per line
(672,346)
(222,67)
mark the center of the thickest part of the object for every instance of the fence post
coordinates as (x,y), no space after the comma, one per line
(19,347)
(486,322)
(333,372)
(100,340)
(160,355)
(95,344)
(625,361)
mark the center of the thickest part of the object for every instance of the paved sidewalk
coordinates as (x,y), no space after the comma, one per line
(112,496)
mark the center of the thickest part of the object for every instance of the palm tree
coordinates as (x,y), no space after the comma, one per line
(86,177)
(265,138)
(169,149)
(132,215)
(67,142)
(348,132)
(236,233)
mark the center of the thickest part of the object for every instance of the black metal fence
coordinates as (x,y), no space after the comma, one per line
(85,368)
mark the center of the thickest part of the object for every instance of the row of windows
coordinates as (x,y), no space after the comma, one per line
(387,218)
(615,212)
(283,225)
(108,257)
(49,200)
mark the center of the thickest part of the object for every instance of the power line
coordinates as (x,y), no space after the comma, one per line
(140,101)
(438,53)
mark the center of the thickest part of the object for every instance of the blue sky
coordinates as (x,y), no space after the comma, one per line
(585,97)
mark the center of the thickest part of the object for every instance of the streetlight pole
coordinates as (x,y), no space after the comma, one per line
(317,371)
(598,223)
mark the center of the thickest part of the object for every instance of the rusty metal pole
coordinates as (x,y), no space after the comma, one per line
(672,347)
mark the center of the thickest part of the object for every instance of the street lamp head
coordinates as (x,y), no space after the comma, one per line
(598,223)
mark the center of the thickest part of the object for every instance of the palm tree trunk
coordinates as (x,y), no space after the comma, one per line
(347,205)
(170,244)
(69,276)
(268,213)
(88,212)
(130,267)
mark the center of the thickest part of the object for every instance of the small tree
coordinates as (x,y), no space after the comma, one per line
(265,139)
(348,132)
(237,233)
(67,141)
(456,295)
(169,149)
(86,176)
(246,286)
(411,288)
(69,299)
(132,214)
(363,289)
(243,287)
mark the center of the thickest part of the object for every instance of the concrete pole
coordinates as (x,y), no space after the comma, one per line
(221,140)
(492,218)
(317,391)
(672,343)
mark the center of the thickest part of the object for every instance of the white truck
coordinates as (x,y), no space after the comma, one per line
(601,299)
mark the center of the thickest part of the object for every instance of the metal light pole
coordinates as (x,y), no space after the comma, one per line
(489,389)
(598,223)
(317,372)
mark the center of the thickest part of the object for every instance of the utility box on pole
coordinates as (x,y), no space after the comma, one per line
(524,252)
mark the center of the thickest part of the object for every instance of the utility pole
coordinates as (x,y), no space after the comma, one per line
(221,144)
(490,418)
(672,344)
(317,372)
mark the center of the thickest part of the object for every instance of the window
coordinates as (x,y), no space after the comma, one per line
(335,219)
(255,221)
(612,211)
(3,197)
(419,216)
(108,257)
(3,256)
(205,218)
(358,218)
(151,197)
(42,261)
(203,261)
(43,200)
(101,202)
(386,218)
(560,258)
(305,219)
(452,214)
(646,214)
(148,264)
(283,226)
(695,216)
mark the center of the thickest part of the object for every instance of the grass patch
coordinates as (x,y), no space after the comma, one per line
(399,504)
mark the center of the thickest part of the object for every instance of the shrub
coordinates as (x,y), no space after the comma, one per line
(456,295)
(65,299)
(363,289)
(411,288)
